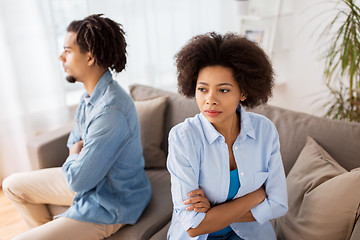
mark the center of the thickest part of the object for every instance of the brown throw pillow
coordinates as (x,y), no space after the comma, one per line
(323,197)
(151,118)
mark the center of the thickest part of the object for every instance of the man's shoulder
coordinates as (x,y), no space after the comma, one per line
(116,98)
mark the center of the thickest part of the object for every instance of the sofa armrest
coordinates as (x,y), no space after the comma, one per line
(356,231)
(49,149)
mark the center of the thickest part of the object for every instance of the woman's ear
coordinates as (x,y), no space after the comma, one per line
(243,97)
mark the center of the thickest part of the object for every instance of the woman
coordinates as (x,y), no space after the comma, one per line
(227,176)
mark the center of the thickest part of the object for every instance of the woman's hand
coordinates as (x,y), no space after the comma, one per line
(199,201)
(261,193)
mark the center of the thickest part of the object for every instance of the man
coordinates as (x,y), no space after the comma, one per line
(103,179)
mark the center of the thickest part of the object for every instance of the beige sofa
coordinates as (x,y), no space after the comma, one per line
(341,140)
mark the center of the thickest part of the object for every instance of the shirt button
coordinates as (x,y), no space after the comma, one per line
(242,174)
(75,202)
(236,148)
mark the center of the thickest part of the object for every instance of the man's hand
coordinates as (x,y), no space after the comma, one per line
(199,201)
(77,147)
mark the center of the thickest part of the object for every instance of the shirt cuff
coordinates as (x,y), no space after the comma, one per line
(190,219)
(262,212)
(72,157)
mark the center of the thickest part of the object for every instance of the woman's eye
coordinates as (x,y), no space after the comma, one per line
(224,90)
(201,89)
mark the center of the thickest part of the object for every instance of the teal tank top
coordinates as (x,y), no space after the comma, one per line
(233,189)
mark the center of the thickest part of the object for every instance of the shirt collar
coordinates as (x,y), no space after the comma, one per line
(100,87)
(247,129)
(211,134)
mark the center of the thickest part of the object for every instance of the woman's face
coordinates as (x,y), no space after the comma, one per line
(218,95)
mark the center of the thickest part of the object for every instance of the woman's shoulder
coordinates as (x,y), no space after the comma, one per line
(188,128)
(260,121)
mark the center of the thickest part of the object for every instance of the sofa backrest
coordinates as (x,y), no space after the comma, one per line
(340,139)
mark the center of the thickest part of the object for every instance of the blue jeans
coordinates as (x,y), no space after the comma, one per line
(229,236)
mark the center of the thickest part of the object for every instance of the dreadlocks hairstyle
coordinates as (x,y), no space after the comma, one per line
(251,66)
(103,38)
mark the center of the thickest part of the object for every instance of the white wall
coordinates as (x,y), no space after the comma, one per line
(302,66)
(299,66)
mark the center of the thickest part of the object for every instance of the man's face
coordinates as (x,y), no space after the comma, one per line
(75,63)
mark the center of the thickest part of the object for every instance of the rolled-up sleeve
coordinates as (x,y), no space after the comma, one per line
(276,203)
(75,134)
(184,171)
(104,139)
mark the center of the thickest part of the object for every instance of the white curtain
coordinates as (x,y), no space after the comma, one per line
(33,93)
(30,83)
(157,29)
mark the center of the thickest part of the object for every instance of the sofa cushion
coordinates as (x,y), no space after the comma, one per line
(178,107)
(156,215)
(162,234)
(323,197)
(151,118)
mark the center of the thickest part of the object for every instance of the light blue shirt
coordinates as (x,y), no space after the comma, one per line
(199,158)
(233,189)
(108,175)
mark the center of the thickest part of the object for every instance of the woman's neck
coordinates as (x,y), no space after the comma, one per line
(231,130)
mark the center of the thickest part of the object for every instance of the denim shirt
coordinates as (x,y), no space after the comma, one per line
(108,175)
(199,158)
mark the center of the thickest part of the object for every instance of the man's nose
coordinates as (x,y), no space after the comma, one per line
(61,57)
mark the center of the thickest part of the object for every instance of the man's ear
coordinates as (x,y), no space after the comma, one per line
(91,59)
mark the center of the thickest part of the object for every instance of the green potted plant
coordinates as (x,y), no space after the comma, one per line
(342,62)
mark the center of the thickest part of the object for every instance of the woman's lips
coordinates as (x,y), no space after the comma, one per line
(212,113)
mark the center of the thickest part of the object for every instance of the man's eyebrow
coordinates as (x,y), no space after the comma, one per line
(67,47)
